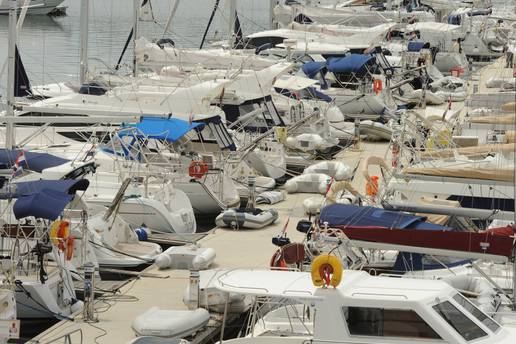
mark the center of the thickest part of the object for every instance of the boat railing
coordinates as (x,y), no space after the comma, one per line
(65,338)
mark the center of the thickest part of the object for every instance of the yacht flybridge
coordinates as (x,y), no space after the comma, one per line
(361,309)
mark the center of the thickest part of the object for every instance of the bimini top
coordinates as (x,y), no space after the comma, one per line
(344,215)
(312,68)
(168,129)
(353,63)
(45,199)
(33,161)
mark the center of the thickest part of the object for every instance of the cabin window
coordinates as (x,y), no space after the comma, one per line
(459,321)
(477,313)
(382,322)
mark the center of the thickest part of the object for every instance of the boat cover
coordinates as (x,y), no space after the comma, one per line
(169,129)
(354,63)
(46,204)
(495,174)
(44,199)
(345,215)
(33,161)
(68,186)
(414,46)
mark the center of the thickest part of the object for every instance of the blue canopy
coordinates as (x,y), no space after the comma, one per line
(312,68)
(353,63)
(169,129)
(352,215)
(34,161)
(415,46)
(45,199)
(46,204)
(66,186)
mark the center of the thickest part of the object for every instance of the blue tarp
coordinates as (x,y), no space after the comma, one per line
(67,186)
(312,68)
(415,46)
(46,204)
(34,161)
(169,129)
(354,63)
(352,215)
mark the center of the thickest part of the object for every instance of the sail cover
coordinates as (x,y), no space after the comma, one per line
(33,161)
(168,129)
(344,215)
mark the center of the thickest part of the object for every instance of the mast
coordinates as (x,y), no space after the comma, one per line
(9,132)
(272,3)
(136,12)
(232,19)
(514,247)
(85,13)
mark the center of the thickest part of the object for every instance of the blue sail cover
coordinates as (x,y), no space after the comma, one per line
(338,215)
(353,63)
(34,161)
(67,186)
(169,129)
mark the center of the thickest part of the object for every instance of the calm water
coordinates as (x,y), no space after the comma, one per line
(50,46)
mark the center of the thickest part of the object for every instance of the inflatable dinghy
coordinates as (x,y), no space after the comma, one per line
(172,324)
(270,197)
(336,169)
(188,257)
(308,183)
(375,129)
(157,340)
(237,218)
(310,142)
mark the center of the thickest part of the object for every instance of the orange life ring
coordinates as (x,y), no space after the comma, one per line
(59,232)
(69,247)
(197,169)
(377,86)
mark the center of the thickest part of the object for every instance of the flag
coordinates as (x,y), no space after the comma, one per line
(19,163)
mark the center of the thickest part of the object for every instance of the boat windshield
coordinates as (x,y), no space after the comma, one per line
(477,313)
(459,321)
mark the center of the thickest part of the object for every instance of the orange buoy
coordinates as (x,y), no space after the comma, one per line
(377,86)
(197,169)
(372,186)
